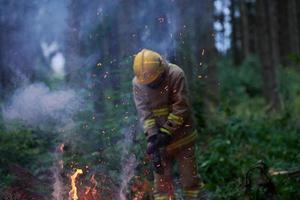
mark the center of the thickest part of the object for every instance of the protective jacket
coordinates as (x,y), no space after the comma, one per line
(166,107)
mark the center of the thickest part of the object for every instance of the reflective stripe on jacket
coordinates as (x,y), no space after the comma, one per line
(166,107)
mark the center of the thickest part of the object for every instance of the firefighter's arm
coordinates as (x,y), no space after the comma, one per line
(145,114)
(180,105)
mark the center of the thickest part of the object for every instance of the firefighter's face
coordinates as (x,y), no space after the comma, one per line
(156,83)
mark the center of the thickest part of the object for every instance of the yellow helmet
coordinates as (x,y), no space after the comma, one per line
(147,66)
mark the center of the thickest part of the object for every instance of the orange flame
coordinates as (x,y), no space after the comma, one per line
(73,192)
(91,192)
(140,189)
(94,182)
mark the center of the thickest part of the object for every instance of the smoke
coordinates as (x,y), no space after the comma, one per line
(159,27)
(127,174)
(58,186)
(37,106)
(129,163)
(26,24)
(56,58)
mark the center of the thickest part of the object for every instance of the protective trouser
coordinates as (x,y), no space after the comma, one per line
(190,181)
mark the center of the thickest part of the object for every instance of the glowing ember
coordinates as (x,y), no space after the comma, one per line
(73,192)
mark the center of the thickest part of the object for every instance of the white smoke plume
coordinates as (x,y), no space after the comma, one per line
(129,164)
(37,106)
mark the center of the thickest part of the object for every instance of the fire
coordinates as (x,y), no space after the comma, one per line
(94,182)
(91,193)
(73,192)
(139,195)
(140,189)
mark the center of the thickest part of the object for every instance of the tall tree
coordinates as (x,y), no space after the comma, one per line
(207,53)
(74,43)
(268,51)
(283,40)
(234,33)
(293,27)
(19,45)
(184,55)
(244,28)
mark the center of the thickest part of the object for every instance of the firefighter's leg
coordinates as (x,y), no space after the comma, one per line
(163,182)
(190,180)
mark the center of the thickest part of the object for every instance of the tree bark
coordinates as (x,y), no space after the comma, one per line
(293,26)
(284,39)
(234,34)
(273,31)
(114,55)
(184,54)
(268,51)
(244,28)
(209,56)
(73,44)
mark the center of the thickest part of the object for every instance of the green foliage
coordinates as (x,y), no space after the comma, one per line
(236,144)
(290,90)
(24,147)
(239,83)
(241,133)
(294,57)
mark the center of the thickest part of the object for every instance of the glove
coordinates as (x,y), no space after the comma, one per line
(157,141)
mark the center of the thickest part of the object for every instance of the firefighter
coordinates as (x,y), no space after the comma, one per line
(161,98)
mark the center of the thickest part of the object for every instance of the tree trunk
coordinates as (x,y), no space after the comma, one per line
(114,55)
(244,28)
(268,51)
(293,27)
(234,34)
(298,18)
(209,55)
(74,46)
(284,39)
(184,36)
(273,31)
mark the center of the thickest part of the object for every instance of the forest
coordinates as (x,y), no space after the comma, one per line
(69,128)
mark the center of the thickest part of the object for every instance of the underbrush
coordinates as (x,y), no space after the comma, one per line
(231,148)
(240,135)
